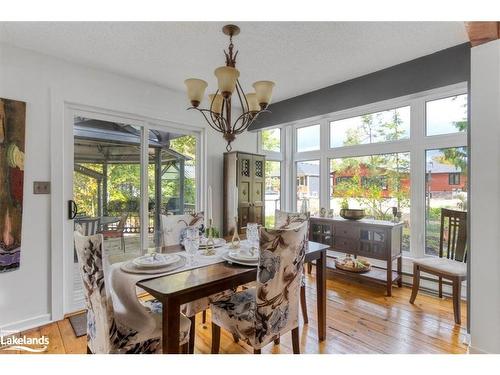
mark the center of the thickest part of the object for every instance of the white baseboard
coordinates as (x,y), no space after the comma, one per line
(23,325)
(474,350)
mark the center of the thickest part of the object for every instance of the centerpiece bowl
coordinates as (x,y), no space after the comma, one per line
(352,213)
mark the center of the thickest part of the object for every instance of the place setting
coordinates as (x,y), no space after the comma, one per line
(245,253)
(154,263)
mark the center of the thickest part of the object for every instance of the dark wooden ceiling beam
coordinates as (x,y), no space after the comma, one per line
(482,32)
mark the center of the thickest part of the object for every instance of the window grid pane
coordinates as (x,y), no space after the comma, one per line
(385,126)
(445,187)
(308,138)
(273,191)
(308,186)
(446,116)
(271,140)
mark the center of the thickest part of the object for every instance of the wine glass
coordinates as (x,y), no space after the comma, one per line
(253,236)
(192,244)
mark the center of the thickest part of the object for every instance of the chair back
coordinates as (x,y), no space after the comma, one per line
(121,224)
(99,306)
(284,220)
(279,273)
(453,235)
(173,225)
(87,226)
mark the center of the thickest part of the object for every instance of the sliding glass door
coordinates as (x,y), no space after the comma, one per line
(125,175)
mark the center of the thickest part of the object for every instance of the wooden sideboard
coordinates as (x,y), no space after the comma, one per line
(375,239)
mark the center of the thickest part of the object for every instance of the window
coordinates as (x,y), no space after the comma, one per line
(448,115)
(271,140)
(446,187)
(273,191)
(376,183)
(454,178)
(370,155)
(308,186)
(391,125)
(308,138)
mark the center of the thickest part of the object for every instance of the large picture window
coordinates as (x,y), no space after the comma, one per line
(406,155)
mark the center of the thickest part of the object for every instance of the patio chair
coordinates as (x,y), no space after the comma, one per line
(453,267)
(118,232)
(105,333)
(263,313)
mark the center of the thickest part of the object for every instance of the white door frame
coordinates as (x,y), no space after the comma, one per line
(62,143)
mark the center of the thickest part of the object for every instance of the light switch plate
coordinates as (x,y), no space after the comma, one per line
(41,187)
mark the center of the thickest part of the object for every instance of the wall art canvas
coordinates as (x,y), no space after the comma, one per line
(12,136)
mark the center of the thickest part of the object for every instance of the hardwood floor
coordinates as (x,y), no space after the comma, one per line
(360,319)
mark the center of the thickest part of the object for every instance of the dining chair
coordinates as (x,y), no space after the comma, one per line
(172,226)
(283,220)
(265,312)
(105,333)
(118,232)
(451,263)
(172,230)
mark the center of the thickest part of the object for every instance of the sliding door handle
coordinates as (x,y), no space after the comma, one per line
(72,209)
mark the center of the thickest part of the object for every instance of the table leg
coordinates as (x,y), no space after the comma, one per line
(389,277)
(400,271)
(321,294)
(170,326)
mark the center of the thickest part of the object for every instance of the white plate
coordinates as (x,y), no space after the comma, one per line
(218,242)
(244,255)
(160,260)
(130,267)
(228,259)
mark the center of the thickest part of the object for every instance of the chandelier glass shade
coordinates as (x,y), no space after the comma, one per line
(220,110)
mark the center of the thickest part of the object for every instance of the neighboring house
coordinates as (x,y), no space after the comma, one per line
(307,180)
(443,178)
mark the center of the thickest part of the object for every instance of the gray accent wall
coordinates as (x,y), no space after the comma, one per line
(442,68)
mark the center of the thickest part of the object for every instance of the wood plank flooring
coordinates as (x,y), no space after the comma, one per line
(360,319)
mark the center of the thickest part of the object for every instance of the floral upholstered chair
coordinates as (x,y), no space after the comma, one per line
(106,333)
(262,314)
(283,220)
(173,227)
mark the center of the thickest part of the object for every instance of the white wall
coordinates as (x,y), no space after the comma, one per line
(485,198)
(25,298)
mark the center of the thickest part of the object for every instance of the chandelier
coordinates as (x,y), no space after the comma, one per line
(218,115)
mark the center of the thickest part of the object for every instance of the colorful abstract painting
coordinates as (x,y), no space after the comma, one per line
(12,133)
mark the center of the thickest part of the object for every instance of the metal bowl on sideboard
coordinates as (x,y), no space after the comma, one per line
(352,213)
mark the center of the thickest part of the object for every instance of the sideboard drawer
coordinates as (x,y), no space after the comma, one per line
(344,244)
(346,230)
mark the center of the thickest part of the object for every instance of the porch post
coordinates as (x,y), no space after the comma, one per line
(157,211)
(182,176)
(105,188)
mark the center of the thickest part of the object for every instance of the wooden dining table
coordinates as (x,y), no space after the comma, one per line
(179,288)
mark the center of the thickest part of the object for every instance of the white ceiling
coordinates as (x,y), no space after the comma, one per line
(298,56)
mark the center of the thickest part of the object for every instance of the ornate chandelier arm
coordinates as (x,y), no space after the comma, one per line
(247,108)
(245,121)
(212,125)
(251,120)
